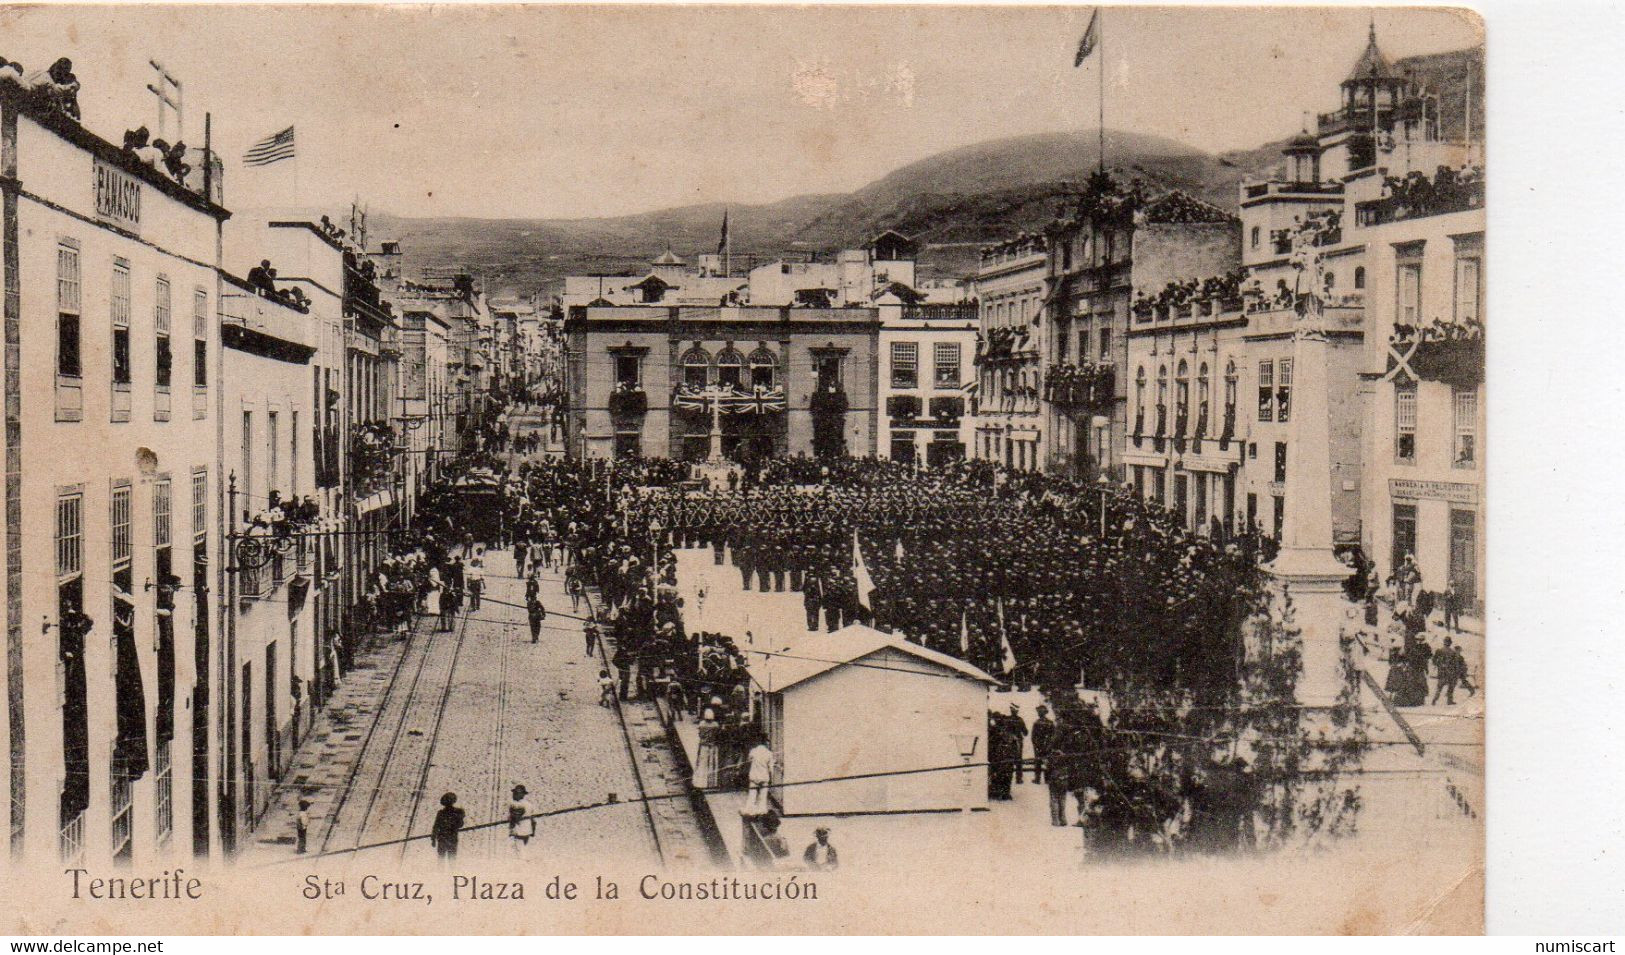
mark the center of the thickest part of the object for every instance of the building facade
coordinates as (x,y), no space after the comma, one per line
(643,380)
(1116,249)
(1009,420)
(112,490)
(925,365)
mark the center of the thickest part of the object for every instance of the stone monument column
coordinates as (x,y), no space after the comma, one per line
(1305,567)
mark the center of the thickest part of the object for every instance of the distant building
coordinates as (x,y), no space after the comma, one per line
(1009,423)
(1115,248)
(638,376)
(926,356)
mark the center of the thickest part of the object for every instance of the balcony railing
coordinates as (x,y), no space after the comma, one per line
(1416,196)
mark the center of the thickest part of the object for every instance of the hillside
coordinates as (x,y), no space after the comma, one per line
(951,202)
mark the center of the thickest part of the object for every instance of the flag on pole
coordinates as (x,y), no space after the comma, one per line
(273,148)
(1091,39)
(861,572)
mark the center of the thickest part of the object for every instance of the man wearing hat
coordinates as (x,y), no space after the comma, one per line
(448,822)
(521,824)
(1017,728)
(820,854)
(1043,742)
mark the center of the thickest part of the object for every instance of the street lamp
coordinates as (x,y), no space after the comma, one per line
(1105,484)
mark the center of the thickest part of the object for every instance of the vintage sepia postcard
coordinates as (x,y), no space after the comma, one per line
(743,469)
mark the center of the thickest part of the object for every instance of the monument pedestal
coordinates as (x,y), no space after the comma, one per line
(1313,578)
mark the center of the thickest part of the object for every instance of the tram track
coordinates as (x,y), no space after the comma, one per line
(390,770)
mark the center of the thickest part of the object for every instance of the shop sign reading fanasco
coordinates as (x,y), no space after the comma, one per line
(118,197)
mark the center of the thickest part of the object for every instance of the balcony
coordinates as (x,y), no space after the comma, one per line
(628,401)
(1090,386)
(1417,196)
(271,328)
(903,407)
(1265,190)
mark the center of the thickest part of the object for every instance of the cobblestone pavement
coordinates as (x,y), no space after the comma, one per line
(514,712)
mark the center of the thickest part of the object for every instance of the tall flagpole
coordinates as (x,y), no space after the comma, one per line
(1102,88)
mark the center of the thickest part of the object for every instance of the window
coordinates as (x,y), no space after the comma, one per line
(1467,289)
(1359,276)
(1105,345)
(271,472)
(200,503)
(1283,389)
(1253,237)
(1063,342)
(628,372)
(164,793)
(945,365)
(828,366)
(1230,386)
(122,612)
(121,537)
(1203,393)
(905,365)
(1280,516)
(1464,554)
(1266,391)
(120,790)
(70,529)
(1465,404)
(160,316)
(696,368)
(120,313)
(293,452)
(68,363)
(163,506)
(246,478)
(200,339)
(762,367)
(1280,462)
(1404,535)
(1409,311)
(1405,424)
(730,369)
(1182,388)
(1139,397)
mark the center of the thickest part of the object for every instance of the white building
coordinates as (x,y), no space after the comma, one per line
(271,649)
(112,390)
(1424,374)
(1009,419)
(921,710)
(926,353)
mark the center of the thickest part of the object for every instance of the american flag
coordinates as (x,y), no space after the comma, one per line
(273,148)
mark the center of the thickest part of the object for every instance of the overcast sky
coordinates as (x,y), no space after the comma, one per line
(592,111)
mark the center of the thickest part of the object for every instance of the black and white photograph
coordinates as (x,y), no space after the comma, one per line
(699,469)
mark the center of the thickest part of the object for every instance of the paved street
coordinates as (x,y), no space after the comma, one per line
(472,712)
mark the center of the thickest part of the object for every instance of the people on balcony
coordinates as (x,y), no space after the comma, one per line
(262,279)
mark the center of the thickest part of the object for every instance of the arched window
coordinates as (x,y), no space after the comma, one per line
(1359,276)
(1254,237)
(1182,386)
(1139,390)
(730,368)
(1331,280)
(1203,395)
(762,367)
(696,367)
(1162,385)
(1230,384)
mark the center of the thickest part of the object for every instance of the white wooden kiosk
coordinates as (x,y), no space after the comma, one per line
(859,702)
